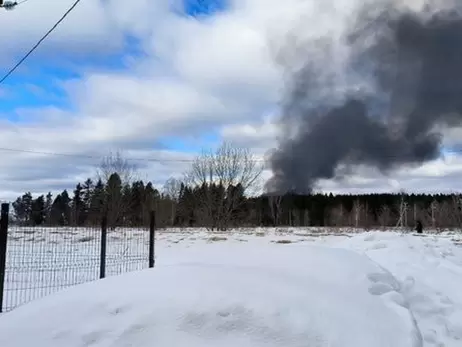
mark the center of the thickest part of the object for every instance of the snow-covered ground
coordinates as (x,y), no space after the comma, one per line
(262,288)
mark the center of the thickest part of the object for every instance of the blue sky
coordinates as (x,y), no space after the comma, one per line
(153,81)
(37,83)
(202,8)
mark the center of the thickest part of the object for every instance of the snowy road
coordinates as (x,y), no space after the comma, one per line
(369,289)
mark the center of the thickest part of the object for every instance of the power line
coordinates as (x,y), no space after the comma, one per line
(13,69)
(155,160)
(158,160)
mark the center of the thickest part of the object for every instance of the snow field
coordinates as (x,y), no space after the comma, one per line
(263,288)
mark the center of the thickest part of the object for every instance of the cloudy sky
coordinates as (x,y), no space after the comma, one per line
(159,80)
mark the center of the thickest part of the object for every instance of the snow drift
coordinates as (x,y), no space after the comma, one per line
(272,295)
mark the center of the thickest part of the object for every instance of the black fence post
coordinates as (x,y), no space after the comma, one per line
(152,238)
(102,259)
(3,244)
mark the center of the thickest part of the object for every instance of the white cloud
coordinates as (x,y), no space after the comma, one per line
(194,78)
(83,31)
(260,134)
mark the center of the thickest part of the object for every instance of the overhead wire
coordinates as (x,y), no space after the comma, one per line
(39,42)
(157,160)
(13,69)
(87,156)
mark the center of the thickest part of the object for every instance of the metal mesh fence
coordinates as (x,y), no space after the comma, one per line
(43,260)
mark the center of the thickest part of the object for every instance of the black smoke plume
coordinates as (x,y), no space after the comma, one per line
(412,65)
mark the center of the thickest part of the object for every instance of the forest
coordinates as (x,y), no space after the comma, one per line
(216,193)
(131,205)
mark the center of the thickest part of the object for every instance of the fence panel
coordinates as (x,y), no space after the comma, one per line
(43,260)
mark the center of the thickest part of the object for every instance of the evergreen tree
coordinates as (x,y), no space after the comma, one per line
(149,202)
(138,208)
(38,211)
(20,210)
(78,207)
(187,208)
(128,214)
(87,194)
(66,206)
(97,203)
(56,213)
(114,201)
(61,209)
(27,205)
(48,204)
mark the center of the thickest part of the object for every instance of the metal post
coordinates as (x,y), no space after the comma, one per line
(102,259)
(152,238)
(5,209)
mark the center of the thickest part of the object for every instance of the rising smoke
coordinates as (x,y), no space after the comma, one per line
(400,85)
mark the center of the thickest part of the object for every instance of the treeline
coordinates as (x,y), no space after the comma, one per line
(212,207)
(127,204)
(362,211)
(219,207)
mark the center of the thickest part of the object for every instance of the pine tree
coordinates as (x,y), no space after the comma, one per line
(96,203)
(27,205)
(87,194)
(138,209)
(66,206)
(127,205)
(149,202)
(114,201)
(61,209)
(38,211)
(78,208)
(19,210)
(187,207)
(56,213)
(48,204)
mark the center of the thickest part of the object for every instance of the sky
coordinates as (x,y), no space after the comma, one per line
(158,80)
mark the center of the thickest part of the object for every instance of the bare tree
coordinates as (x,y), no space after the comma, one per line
(403,209)
(414,214)
(457,210)
(356,213)
(234,170)
(433,213)
(369,220)
(172,188)
(384,217)
(446,216)
(117,163)
(274,202)
(337,216)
